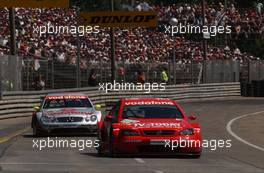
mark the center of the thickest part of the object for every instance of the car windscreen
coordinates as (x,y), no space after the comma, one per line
(151,111)
(64,103)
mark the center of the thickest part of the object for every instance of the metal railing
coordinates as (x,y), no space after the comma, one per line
(62,75)
(19,104)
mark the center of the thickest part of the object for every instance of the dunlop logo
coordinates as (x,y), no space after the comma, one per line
(119,19)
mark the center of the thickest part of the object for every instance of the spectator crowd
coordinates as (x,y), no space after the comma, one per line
(132,45)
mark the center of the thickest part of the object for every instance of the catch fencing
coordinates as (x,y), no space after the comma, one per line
(59,75)
(256,69)
(18,74)
(10,73)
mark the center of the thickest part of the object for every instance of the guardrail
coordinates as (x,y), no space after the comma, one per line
(20,104)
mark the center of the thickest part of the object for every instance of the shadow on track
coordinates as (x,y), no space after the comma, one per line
(152,156)
(60,135)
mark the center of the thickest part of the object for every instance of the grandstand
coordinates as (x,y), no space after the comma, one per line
(133,45)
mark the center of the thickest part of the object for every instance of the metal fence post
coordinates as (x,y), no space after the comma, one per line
(27,67)
(192,69)
(1,79)
(47,73)
(259,78)
(169,71)
(231,71)
(1,90)
(248,71)
(52,73)
(124,69)
(101,70)
(174,67)
(222,72)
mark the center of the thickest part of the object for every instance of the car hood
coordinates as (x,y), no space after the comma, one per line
(68,112)
(154,123)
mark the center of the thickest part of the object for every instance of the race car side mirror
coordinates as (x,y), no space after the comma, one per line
(108,117)
(37,108)
(98,107)
(192,117)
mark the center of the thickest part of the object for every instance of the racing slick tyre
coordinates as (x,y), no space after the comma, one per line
(112,151)
(99,149)
(100,152)
(36,131)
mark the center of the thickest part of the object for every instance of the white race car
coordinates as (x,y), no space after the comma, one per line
(66,113)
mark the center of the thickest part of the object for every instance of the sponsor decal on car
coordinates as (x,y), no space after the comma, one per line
(128,121)
(157,125)
(68,113)
(149,103)
(65,97)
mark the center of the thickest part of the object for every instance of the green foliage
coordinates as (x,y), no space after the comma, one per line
(253,46)
(247,3)
(260,47)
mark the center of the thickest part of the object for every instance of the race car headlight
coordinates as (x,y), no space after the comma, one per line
(44,119)
(189,131)
(93,118)
(48,119)
(87,119)
(129,133)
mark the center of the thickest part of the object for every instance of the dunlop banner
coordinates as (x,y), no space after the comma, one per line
(119,19)
(35,3)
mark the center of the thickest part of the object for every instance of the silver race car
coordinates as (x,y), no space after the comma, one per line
(65,113)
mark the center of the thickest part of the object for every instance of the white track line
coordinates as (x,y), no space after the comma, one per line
(139,160)
(35,163)
(158,171)
(229,130)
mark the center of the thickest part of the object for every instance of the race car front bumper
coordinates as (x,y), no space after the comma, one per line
(159,145)
(68,128)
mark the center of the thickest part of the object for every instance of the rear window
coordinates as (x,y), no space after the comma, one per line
(151,111)
(65,103)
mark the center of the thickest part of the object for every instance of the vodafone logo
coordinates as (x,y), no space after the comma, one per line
(68,113)
(149,103)
(65,97)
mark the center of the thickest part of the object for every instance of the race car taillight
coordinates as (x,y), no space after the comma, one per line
(129,132)
(188,131)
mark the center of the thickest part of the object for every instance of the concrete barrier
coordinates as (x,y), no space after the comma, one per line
(20,104)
